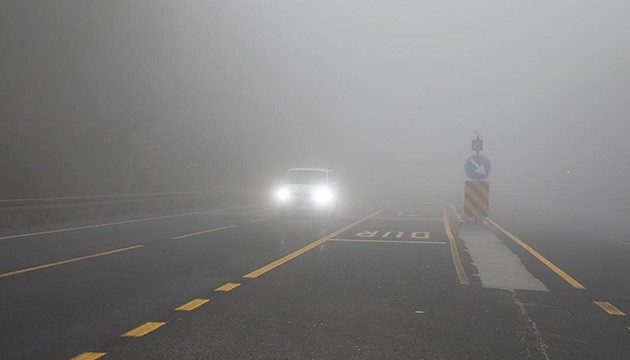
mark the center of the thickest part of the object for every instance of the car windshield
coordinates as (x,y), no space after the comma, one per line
(306,177)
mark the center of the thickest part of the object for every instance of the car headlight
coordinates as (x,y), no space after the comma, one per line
(323,196)
(283,195)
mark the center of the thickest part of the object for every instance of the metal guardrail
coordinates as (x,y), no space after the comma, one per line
(29,212)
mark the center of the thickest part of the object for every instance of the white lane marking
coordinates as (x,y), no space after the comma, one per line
(420,235)
(399,234)
(212,211)
(261,210)
(367,234)
(389,241)
(615,239)
(263,219)
(202,232)
(498,266)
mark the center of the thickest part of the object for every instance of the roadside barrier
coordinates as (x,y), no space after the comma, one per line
(31,212)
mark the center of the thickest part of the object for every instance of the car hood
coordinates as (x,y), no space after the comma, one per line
(302,188)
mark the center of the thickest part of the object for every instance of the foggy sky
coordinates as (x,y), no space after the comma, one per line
(229,94)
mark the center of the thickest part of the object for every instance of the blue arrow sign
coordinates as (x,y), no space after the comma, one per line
(478,167)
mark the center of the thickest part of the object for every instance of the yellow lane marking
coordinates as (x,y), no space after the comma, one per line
(457,261)
(256,273)
(609,308)
(203,232)
(192,305)
(228,287)
(143,329)
(89,356)
(40,267)
(538,256)
(263,219)
(389,241)
(120,222)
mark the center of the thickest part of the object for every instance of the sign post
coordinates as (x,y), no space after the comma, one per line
(477,190)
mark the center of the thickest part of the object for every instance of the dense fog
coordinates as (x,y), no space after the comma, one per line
(214,95)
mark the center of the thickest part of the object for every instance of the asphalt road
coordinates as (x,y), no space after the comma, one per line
(372,283)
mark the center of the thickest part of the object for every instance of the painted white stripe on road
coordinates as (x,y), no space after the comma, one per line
(616,240)
(263,219)
(211,212)
(499,267)
(203,232)
(389,241)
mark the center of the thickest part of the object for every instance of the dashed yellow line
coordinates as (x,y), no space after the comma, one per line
(457,261)
(45,266)
(89,356)
(143,329)
(609,308)
(202,232)
(192,305)
(256,273)
(121,222)
(228,287)
(538,256)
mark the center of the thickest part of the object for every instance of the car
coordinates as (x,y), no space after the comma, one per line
(307,190)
